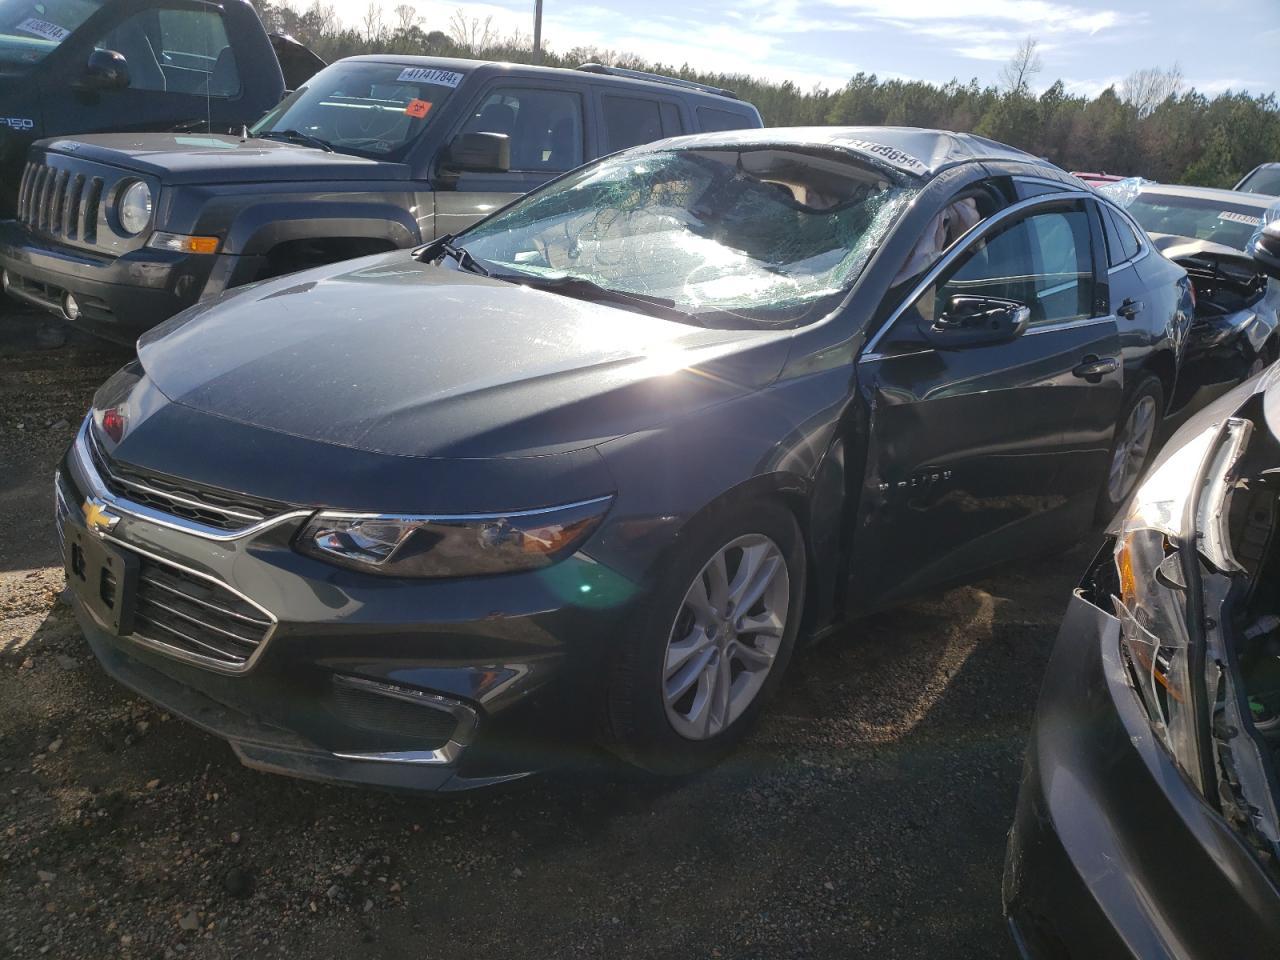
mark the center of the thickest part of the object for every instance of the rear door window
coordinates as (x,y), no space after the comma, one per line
(544,126)
(1122,244)
(630,121)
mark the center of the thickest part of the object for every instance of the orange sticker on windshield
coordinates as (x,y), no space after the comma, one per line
(418,108)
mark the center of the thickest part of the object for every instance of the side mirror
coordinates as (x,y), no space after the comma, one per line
(973,321)
(1265,249)
(106,70)
(480,153)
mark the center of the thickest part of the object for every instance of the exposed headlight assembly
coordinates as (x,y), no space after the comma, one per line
(133,208)
(451,546)
(1153,605)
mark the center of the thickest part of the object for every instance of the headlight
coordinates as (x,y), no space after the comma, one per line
(444,546)
(134,208)
(1153,606)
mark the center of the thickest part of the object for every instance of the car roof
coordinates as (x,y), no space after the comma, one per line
(1262,201)
(912,150)
(668,85)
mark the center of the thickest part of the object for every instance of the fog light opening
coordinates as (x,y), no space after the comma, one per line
(70,307)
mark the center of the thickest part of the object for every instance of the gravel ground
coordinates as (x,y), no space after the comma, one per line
(865,817)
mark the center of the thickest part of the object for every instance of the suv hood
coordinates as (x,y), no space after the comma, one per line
(178,158)
(388,355)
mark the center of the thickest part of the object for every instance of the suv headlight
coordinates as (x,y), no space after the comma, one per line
(133,208)
(451,546)
(1153,601)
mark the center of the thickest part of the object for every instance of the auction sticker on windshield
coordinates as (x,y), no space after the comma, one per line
(44,29)
(444,78)
(1240,218)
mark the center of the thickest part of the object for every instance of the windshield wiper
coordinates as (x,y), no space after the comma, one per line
(444,246)
(297,136)
(585,289)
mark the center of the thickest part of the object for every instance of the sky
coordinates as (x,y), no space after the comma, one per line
(1088,44)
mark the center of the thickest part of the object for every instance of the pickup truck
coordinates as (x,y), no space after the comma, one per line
(116,233)
(93,66)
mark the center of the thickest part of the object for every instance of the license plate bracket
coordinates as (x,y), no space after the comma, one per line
(104,579)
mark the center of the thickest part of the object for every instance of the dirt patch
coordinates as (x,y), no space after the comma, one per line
(866,815)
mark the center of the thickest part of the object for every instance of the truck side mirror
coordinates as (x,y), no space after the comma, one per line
(479,153)
(1265,249)
(106,70)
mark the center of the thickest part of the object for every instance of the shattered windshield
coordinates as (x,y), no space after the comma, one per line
(728,237)
(30,31)
(369,109)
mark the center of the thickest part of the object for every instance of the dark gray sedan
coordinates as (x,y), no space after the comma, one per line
(590,469)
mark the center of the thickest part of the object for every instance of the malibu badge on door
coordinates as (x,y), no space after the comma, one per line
(102,577)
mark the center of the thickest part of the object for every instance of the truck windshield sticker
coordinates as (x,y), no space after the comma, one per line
(1240,218)
(44,29)
(890,155)
(418,108)
(443,78)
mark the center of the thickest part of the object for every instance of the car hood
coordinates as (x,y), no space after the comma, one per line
(388,355)
(178,158)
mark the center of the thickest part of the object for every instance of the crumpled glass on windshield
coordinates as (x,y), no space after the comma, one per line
(752,237)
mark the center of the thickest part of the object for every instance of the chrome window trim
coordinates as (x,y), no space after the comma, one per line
(1068,325)
(959,248)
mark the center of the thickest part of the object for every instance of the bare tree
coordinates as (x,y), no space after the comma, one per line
(1148,88)
(372,21)
(1022,68)
(471,33)
(407,17)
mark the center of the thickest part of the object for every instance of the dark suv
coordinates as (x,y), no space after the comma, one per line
(119,232)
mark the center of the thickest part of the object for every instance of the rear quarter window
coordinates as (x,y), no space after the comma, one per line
(712,120)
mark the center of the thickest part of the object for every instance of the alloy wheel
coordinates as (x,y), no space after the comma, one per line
(726,636)
(1132,447)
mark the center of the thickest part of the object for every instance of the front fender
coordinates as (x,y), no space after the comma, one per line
(262,225)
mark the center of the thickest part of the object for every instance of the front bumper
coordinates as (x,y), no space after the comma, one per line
(119,297)
(427,685)
(1112,852)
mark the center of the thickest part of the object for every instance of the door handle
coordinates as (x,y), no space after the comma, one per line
(1129,308)
(1095,368)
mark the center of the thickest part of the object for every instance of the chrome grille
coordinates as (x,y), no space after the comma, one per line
(60,203)
(177,609)
(213,508)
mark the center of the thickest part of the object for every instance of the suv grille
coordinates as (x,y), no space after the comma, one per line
(213,508)
(60,202)
(176,609)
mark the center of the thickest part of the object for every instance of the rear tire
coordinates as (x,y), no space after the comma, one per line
(692,676)
(1133,447)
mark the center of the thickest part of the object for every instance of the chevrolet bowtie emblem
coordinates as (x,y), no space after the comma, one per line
(96,517)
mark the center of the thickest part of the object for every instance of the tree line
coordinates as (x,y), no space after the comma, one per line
(1151,124)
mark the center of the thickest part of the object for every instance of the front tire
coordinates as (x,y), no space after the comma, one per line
(713,641)
(1133,447)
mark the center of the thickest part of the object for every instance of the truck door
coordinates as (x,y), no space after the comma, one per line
(184,72)
(546,127)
